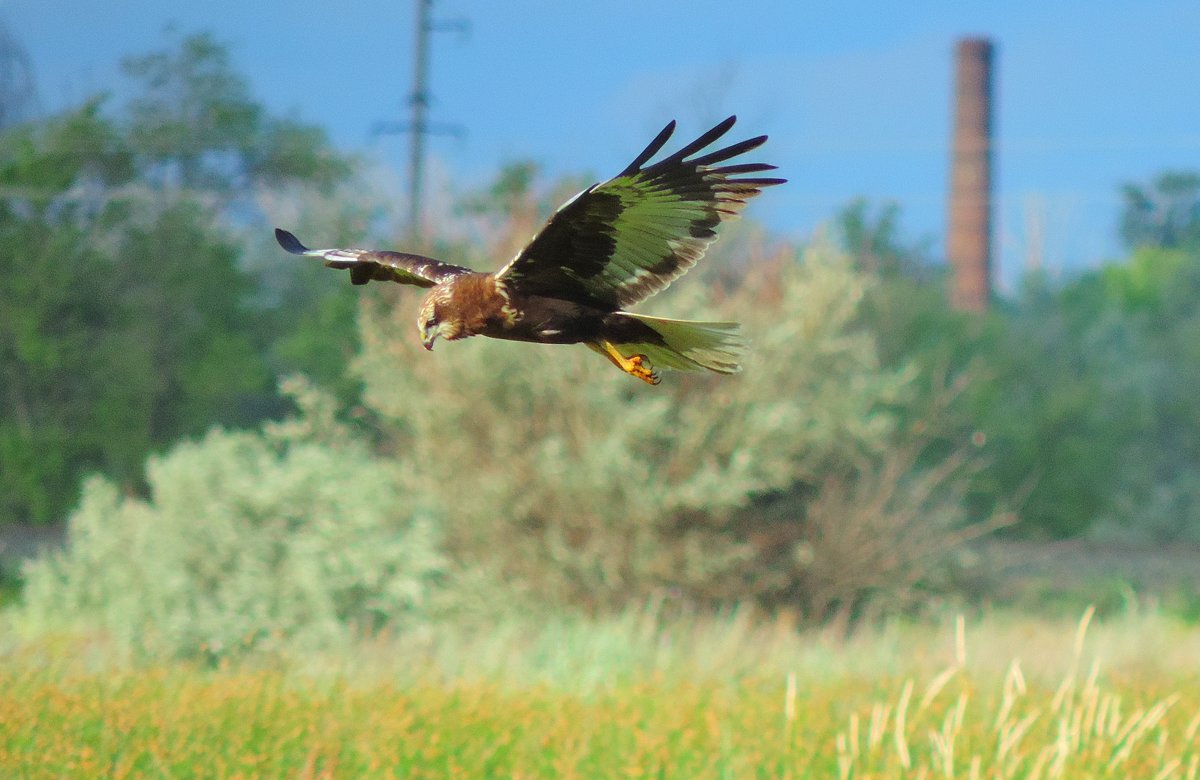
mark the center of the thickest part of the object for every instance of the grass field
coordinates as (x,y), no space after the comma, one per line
(628,698)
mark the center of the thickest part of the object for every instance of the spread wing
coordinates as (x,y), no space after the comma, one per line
(625,239)
(368,264)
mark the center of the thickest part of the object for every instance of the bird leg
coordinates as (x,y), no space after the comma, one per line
(638,365)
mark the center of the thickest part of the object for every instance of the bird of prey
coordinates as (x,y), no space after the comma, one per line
(612,245)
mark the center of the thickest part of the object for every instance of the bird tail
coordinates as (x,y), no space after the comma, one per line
(688,345)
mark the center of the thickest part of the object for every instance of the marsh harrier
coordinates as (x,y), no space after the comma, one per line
(609,247)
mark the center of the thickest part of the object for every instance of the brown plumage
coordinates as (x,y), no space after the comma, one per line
(612,245)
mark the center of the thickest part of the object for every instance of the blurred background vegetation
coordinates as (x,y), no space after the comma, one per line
(246,452)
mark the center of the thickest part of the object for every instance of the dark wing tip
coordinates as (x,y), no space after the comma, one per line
(289,242)
(729,152)
(729,170)
(723,126)
(659,140)
(759,182)
(704,140)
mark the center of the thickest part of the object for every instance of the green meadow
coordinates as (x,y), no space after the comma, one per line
(630,697)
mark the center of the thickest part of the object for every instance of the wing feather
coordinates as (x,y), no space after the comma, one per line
(367,265)
(709,137)
(659,141)
(625,239)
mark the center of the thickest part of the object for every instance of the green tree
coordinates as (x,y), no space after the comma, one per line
(69,367)
(195,125)
(197,131)
(1081,393)
(1054,427)
(130,317)
(1157,497)
(872,238)
(189,305)
(1086,400)
(1165,213)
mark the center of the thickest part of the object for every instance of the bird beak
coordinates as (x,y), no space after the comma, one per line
(427,339)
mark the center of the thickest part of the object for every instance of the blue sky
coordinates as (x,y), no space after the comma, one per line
(855,95)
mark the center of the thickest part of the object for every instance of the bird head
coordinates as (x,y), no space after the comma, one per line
(435,319)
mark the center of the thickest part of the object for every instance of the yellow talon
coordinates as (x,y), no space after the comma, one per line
(638,365)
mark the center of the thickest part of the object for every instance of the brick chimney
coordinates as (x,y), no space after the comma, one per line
(968,239)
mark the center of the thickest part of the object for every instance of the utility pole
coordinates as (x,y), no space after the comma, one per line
(968,241)
(419,100)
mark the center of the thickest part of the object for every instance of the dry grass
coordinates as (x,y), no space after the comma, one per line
(745,701)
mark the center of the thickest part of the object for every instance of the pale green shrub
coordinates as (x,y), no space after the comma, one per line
(584,486)
(248,539)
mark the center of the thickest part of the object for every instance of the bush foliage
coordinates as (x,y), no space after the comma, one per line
(295,535)
(593,490)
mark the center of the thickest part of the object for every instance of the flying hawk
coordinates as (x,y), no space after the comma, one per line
(605,249)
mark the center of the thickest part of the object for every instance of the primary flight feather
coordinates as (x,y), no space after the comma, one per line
(612,245)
